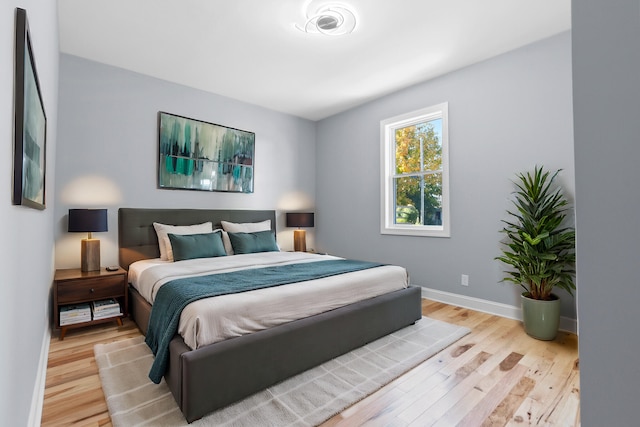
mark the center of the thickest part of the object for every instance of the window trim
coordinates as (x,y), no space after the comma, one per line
(387,142)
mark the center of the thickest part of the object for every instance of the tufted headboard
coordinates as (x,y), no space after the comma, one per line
(137,238)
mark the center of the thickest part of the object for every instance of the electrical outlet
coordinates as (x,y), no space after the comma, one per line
(464,280)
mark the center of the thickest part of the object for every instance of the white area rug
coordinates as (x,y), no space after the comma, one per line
(307,399)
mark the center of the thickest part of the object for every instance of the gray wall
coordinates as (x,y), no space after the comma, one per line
(606,88)
(26,251)
(506,115)
(107,156)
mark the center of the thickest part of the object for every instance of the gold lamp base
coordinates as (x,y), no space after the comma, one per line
(299,240)
(90,255)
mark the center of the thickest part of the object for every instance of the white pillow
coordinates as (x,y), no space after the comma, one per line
(162,230)
(246,227)
(228,248)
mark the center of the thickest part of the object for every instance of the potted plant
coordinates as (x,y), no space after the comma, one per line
(540,249)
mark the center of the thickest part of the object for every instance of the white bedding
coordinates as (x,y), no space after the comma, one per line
(215,319)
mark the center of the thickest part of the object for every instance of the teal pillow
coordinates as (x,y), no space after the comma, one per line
(190,246)
(249,243)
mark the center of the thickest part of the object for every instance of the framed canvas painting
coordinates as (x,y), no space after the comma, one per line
(30,126)
(197,155)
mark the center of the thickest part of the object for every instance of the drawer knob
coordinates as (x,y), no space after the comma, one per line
(92,290)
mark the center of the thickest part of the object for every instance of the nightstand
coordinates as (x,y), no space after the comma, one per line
(73,287)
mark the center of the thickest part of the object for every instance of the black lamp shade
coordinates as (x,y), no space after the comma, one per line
(299,219)
(87,220)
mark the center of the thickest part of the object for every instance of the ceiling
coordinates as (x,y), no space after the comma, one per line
(250,50)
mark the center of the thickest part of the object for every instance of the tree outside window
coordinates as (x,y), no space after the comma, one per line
(415,186)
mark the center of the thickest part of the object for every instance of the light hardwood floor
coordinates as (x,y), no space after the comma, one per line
(495,376)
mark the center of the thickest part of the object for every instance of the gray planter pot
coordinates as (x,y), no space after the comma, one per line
(541,318)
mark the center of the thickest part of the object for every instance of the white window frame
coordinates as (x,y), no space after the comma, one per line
(387,140)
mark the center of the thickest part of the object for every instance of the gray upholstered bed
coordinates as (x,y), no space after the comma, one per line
(219,374)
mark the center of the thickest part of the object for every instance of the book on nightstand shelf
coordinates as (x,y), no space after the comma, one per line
(104,309)
(76,313)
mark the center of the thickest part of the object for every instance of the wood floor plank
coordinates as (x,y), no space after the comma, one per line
(553,379)
(497,366)
(435,401)
(504,412)
(486,393)
(486,341)
(496,392)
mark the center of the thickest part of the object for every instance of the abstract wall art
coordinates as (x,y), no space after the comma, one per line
(197,155)
(30,125)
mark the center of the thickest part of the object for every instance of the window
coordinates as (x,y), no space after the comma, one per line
(415,162)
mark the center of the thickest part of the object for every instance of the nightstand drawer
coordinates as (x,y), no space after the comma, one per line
(90,289)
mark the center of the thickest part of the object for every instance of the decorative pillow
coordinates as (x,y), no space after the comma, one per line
(248,243)
(190,246)
(166,253)
(246,227)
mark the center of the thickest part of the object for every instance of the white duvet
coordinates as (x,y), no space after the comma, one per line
(215,319)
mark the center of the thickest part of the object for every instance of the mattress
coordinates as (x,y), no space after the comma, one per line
(215,319)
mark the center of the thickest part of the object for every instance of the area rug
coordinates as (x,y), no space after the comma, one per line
(307,399)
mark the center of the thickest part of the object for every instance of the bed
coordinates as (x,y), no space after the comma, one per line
(215,375)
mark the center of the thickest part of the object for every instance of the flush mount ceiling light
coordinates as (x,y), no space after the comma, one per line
(329,19)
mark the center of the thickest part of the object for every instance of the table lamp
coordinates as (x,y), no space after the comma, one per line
(88,221)
(299,219)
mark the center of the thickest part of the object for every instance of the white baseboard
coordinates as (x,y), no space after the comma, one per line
(503,310)
(37,400)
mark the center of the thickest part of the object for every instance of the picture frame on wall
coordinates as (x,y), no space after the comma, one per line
(198,155)
(30,126)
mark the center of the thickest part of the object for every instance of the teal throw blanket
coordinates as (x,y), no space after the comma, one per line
(174,296)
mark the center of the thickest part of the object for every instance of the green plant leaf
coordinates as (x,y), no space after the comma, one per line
(539,245)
